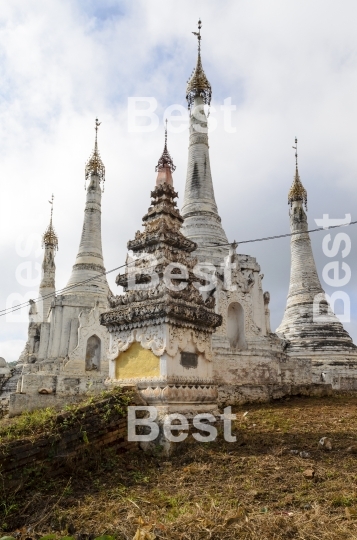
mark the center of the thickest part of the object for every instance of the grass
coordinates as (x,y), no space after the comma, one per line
(251,489)
(31,424)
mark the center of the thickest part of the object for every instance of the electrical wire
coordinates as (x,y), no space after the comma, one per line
(285,235)
(65,289)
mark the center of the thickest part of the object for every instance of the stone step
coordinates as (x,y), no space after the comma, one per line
(10,385)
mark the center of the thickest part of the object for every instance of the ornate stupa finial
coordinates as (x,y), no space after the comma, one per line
(165,166)
(95,164)
(297,191)
(198,84)
(165,160)
(50,238)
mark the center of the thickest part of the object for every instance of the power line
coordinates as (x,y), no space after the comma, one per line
(20,306)
(285,235)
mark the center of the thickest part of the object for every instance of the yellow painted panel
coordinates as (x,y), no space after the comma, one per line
(137,362)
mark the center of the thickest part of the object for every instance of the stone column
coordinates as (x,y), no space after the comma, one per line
(73,339)
(57,329)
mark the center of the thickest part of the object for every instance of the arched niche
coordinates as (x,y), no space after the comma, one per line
(235,326)
(93,353)
(136,363)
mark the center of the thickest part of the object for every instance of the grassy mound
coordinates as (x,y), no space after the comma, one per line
(255,488)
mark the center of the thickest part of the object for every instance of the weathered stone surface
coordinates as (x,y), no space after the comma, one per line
(62,328)
(310,327)
(245,393)
(154,323)
(202,223)
(244,350)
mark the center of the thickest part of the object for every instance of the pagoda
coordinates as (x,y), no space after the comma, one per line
(161,326)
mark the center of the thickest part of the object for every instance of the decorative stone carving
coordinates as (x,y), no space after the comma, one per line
(180,337)
(88,326)
(266,297)
(160,303)
(166,315)
(153,338)
(245,299)
(120,342)
(179,394)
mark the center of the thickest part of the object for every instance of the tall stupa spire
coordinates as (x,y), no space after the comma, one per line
(47,285)
(89,260)
(305,327)
(202,223)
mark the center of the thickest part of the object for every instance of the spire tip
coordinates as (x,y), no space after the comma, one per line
(50,238)
(165,160)
(95,164)
(297,191)
(198,84)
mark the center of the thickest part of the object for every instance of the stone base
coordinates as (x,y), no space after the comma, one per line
(260,364)
(40,389)
(167,447)
(337,368)
(18,403)
(238,395)
(188,398)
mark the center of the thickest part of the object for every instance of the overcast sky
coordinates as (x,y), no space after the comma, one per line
(289,67)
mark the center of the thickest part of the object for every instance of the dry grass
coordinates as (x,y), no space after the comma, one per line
(252,489)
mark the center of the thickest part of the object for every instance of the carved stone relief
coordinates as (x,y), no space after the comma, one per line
(160,339)
(149,337)
(88,326)
(225,299)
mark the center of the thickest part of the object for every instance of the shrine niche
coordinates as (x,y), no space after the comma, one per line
(235,326)
(93,353)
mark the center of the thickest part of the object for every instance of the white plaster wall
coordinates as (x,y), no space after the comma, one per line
(247,368)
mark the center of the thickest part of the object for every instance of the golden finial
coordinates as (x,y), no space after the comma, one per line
(95,165)
(296,153)
(50,238)
(165,159)
(198,34)
(297,191)
(198,84)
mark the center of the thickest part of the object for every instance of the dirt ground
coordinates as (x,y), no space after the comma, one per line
(258,488)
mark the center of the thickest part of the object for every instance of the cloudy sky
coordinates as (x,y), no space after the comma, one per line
(290,68)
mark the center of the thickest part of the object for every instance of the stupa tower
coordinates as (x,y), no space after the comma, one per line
(89,261)
(308,321)
(47,285)
(243,350)
(161,329)
(87,288)
(202,223)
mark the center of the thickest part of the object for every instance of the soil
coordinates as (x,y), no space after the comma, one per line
(259,487)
